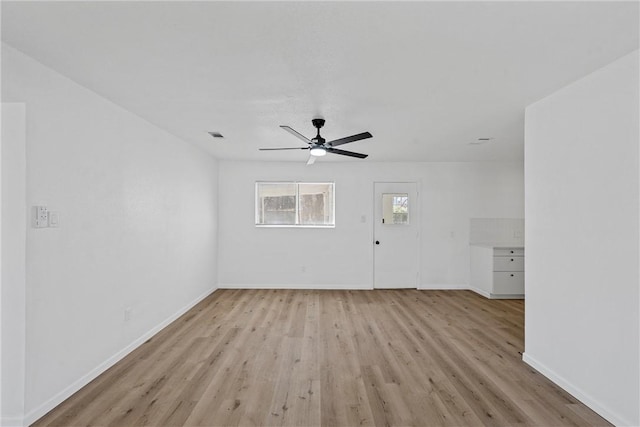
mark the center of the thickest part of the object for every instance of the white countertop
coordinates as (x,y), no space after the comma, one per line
(498,245)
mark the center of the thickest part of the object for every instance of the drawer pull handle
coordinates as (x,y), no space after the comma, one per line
(512,275)
(511,259)
(511,251)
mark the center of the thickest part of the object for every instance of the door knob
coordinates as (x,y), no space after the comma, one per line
(377,242)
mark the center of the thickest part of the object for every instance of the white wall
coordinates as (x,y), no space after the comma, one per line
(450,194)
(138,224)
(582,270)
(494,231)
(13,267)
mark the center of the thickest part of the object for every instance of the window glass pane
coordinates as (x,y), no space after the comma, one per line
(276,204)
(295,204)
(316,204)
(400,209)
(395,209)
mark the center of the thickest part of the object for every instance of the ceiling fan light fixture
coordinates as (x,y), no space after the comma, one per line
(318,151)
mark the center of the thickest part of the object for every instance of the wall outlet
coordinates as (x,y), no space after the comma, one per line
(40,217)
(127,313)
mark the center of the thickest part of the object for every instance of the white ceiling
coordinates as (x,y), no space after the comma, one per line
(425,78)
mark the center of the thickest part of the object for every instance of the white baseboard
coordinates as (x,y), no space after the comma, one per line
(294,286)
(42,410)
(576,392)
(496,296)
(481,292)
(447,286)
(507,296)
(442,287)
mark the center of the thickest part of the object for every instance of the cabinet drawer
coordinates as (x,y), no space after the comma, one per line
(505,263)
(508,252)
(508,283)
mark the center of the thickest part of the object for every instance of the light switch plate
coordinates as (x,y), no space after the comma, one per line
(54,219)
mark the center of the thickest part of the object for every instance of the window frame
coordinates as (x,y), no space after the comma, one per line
(297,208)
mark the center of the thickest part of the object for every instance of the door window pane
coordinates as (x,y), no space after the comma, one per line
(395,209)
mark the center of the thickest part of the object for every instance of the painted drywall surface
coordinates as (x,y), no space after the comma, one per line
(492,231)
(138,224)
(582,279)
(14,223)
(342,257)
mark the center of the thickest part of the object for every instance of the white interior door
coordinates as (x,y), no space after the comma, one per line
(396,235)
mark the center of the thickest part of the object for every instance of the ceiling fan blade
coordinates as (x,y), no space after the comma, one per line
(312,160)
(346,153)
(296,134)
(352,138)
(288,148)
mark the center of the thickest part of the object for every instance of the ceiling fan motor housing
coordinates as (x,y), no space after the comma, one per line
(318,123)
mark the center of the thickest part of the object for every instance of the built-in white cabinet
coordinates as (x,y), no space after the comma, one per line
(497,271)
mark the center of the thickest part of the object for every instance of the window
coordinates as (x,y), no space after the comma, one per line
(395,209)
(295,204)
(400,209)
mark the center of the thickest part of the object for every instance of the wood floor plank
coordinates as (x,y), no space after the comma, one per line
(330,358)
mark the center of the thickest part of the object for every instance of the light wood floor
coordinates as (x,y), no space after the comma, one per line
(331,358)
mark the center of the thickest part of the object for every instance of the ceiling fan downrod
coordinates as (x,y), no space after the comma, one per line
(318,123)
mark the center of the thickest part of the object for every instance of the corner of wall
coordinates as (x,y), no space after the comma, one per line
(54,401)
